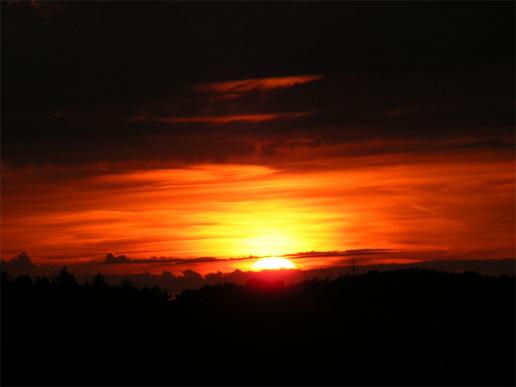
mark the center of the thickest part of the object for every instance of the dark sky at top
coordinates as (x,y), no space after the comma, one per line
(73,75)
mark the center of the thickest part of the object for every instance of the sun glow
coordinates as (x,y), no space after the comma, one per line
(273,263)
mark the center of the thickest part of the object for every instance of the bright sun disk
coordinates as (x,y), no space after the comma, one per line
(273,263)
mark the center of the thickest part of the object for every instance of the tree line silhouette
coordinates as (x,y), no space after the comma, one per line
(404,327)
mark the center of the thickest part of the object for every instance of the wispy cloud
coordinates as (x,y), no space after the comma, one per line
(345,253)
(219,119)
(238,87)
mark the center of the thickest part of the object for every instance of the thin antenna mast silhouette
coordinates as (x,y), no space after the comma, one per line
(353,266)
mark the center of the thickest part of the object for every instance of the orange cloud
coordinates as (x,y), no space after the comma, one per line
(235,118)
(222,119)
(238,87)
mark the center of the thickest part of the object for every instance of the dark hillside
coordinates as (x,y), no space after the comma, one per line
(410,327)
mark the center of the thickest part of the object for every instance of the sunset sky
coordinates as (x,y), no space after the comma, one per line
(177,130)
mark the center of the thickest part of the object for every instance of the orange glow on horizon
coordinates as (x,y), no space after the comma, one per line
(456,208)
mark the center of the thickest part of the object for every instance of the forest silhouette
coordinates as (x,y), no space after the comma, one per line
(402,327)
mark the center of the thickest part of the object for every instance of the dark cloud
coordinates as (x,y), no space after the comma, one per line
(122,259)
(223,82)
(110,258)
(19,264)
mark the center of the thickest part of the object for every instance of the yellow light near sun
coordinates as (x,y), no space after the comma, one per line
(266,227)
(268,242)
(273,263)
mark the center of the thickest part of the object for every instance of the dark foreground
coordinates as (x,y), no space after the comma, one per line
(412,327)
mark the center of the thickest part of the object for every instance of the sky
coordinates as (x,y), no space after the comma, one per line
(172,130)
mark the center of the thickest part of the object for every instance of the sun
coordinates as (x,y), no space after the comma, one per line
(273,263)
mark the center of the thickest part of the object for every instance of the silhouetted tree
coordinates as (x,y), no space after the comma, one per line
(99,281)
(5,278)
(127,284)
(64,279)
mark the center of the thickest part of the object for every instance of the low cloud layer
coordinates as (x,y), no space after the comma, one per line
(191,279)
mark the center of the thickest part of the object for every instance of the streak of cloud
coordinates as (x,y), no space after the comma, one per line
(236,88)
(222,119)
